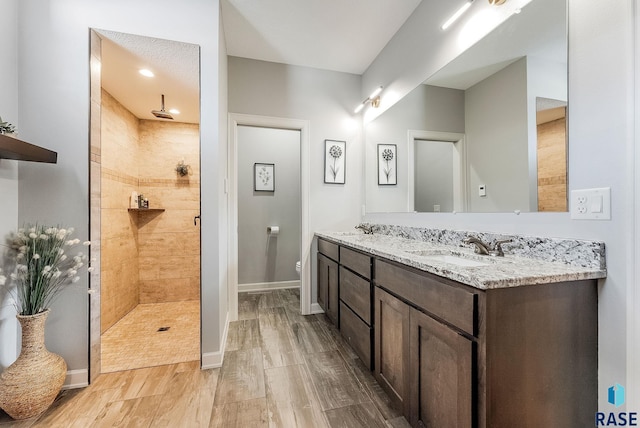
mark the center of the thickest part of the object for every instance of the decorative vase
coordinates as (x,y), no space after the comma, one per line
(29,385)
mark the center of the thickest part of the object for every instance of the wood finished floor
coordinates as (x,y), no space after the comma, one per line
(280,369)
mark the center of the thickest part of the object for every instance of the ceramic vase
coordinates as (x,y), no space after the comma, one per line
(30,385)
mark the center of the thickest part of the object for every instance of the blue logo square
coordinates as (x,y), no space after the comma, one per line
(616,395)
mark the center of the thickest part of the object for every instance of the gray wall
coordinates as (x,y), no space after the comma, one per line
(602,144)
(8,170)
(433,175)
(496,132)
(426,108)
(327,100)
(263,258)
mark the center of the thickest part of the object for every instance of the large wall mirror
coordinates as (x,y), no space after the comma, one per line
(487,132)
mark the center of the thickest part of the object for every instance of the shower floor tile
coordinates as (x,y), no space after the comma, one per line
(135,341)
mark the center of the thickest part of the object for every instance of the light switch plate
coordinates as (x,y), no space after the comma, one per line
(591,204)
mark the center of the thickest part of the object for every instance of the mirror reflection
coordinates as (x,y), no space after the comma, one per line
(486,133)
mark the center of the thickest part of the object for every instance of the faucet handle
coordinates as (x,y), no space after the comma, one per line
(497,247)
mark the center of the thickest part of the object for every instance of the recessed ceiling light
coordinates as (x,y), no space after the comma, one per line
(174,111)
(145,72)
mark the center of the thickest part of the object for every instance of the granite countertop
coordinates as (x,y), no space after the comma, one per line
(494,272)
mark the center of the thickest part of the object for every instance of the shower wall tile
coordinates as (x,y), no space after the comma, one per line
(120,291)
(147,257)
(169,243)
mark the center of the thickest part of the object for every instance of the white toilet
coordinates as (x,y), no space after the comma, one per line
(298,267)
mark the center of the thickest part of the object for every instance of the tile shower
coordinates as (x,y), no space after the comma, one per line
(150,260)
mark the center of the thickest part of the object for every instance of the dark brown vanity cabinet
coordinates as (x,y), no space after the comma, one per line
(328,279)
(355,303)
(391,367)
(345,294)
(450,355)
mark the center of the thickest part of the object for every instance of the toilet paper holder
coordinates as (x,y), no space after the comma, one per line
(273,230)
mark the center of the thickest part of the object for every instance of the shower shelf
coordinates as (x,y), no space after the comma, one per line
(13,148)
(141,210)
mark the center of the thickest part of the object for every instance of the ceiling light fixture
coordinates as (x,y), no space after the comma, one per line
(374,99)
(145,72)
(458,14)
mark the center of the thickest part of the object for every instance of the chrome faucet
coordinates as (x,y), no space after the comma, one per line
(487,249)
(480,247)
(366,228)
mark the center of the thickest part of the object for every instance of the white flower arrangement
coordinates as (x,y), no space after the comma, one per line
(42,266)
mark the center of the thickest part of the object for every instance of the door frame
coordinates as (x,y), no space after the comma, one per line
(235,120)
(460,193)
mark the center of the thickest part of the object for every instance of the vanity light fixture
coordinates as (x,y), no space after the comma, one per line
(374,99)
(459,13)
(145,72)
(496,2)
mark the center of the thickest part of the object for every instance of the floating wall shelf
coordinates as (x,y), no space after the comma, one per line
(13,148)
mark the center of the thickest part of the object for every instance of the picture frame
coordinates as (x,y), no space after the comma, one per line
(264,177)
(387,165)
(335,154)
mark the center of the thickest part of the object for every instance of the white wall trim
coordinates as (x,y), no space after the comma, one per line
(213,360)
(266,286)
(633,296)
(460,192)
(304,126)
(76,379)
(316,309)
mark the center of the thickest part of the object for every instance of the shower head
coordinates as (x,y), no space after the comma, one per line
(161,113)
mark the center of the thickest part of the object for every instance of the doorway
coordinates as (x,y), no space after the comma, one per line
(236,122)
(268,208)
(437,172)
(145,196)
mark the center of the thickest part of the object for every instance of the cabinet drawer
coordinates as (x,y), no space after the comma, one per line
(329,249)
(357,333)
(356,292)
(357,262)
(452,303)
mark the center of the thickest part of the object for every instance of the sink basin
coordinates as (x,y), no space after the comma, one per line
(455,260)
(448,257)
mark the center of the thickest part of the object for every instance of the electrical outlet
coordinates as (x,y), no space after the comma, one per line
(591,204)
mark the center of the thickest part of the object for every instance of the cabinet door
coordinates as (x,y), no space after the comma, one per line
(441,367)
(328,287)
(391,362)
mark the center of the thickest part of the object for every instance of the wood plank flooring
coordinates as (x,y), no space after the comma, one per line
(281,369)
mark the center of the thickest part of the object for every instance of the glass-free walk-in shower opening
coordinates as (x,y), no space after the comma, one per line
(145,298)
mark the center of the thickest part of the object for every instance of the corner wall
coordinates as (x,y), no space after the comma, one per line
(8,171)
(54,112)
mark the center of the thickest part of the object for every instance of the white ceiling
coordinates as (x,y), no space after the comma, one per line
(177,74)
(340,35)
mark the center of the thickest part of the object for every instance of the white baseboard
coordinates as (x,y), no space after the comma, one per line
(316,309)
(213,360)
(266,286)
(76,379)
